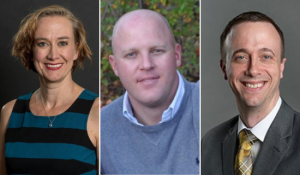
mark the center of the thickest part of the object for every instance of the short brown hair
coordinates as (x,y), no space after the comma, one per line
(248,17)
(23,41)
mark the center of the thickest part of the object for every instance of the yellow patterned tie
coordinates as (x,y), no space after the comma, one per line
(243,161)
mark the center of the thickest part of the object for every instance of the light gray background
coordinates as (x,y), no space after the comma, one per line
(218,101)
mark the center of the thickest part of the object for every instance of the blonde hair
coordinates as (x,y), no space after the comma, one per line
(23,41)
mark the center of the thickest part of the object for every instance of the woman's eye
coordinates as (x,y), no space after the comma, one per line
(63,43)
(42,44)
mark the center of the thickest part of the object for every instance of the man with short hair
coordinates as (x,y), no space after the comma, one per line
(154,127)
(263,138)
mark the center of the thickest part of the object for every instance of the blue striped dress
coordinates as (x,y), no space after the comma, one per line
(31,147)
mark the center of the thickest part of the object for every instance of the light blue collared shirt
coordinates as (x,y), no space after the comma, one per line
(167,114)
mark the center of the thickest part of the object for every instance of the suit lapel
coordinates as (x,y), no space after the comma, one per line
(275,144)
(229,151)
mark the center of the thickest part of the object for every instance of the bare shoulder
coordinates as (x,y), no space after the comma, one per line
(93,123)
(5,115)
(94,113)
(6,112)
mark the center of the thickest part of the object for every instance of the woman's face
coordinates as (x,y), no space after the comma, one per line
(54,48)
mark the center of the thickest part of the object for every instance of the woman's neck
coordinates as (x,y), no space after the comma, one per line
(53,94)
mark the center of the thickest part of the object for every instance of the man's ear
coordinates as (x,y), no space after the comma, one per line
(112,61)
(178,54)
(282,64)
(223,67)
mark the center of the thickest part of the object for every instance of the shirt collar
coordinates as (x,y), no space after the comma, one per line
(260,129)
(167,114)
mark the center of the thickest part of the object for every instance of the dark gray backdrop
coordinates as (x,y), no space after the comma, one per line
(15,79)
(218,101)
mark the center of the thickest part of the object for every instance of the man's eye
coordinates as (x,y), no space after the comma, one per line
(240,57)
(267,57)
(157,51)
(63,43)
(130,55)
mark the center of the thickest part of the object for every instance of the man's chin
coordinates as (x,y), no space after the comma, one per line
(151,101)
(251,102)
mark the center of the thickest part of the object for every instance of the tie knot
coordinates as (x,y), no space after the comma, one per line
(247,139)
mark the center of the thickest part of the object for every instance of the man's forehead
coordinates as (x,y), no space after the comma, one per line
(141,23)
(139,15)
(235,43)
(132,39)
(136,19)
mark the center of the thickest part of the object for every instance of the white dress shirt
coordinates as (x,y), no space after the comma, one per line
(167,114)
(260,129)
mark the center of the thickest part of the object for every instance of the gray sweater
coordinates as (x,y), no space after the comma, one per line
(171,147)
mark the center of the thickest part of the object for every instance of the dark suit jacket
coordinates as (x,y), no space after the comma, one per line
(279,154)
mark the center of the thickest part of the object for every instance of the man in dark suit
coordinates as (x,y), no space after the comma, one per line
(264,138)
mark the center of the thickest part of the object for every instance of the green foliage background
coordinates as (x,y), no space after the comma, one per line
(183,16)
